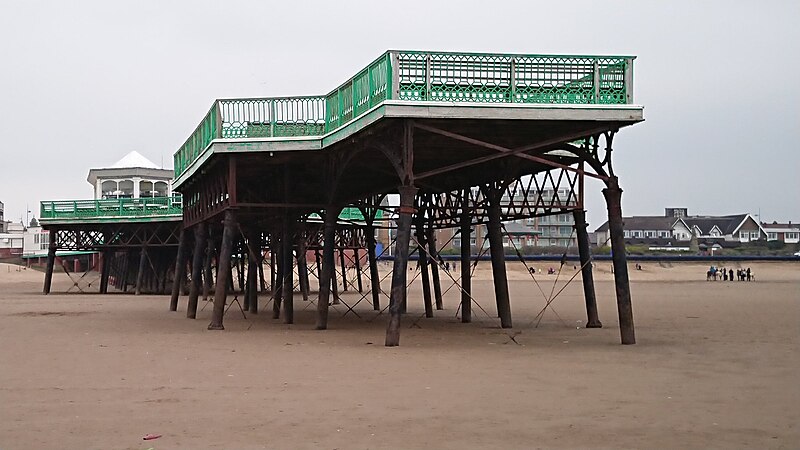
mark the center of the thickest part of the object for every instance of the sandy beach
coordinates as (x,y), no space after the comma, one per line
(716,366)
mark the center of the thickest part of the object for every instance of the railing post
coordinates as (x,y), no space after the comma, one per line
(370,71)
(596,82)
(629,80)
(512,79)
(218,119)
(394,66)
(272,118)
(427,77)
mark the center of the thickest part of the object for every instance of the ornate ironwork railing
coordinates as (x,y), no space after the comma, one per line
(123,208)
(418,76)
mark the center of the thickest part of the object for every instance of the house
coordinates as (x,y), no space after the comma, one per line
(788,233)
(675,229)
(736,228)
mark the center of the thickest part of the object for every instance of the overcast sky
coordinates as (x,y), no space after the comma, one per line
(83,83)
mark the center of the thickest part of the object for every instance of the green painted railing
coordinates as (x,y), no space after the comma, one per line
(124,208)
(418,76)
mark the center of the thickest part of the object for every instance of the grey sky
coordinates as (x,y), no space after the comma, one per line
(83,83)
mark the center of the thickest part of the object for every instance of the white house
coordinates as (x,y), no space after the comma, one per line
(788,233)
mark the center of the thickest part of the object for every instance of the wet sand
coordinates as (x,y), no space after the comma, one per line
(716,366)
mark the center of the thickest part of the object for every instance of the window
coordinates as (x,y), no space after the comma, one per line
(744,235)
(565,231)
(637,234)
(754,235)
(650,233)
(772,236)
(627,234)
(791,236)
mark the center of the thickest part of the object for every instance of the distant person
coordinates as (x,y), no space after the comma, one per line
(748,274)
(454,265)
(724,274)
(731,274)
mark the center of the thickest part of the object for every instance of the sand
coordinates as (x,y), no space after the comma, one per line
(716,366)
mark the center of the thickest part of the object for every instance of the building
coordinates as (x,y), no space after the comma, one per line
(676,228)
(133,176)
(788,233)
(11,240)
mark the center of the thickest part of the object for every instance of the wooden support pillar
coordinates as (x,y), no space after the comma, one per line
(357,263)
(302,266)
(498,260)
(180,269)
(613,195)
(585,252)
(422,263)
(51,262)
(317,259)
(126,270)
(241,257)
(434,258)
(288,272)
(262,284)
(374,277)
(198,257)
(223,271)
(141,270)
(399,274)
(328,265)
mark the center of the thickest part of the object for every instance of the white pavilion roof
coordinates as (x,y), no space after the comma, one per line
(134,159)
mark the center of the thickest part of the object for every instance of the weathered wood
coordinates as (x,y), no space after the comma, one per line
(592,320)
(399,274)
(498,260)
(223,271)
(198,257)
(613,195)
(51,262)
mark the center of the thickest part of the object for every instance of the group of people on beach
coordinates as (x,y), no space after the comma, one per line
(724,274)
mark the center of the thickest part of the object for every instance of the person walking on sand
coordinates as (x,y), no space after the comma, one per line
(748,274)
(730,272)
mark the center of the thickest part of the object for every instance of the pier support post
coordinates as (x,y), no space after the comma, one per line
(223,271)
(302,266)
(357,263)
(466,266)
(423,266)
(328,265)
(198,257)
(592,321)
(399,274)
(288,272)
(613,195)
(374,278)
(180,270)
(140,272)
(437,286)
(498,259)
(51,262)
(105,271)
